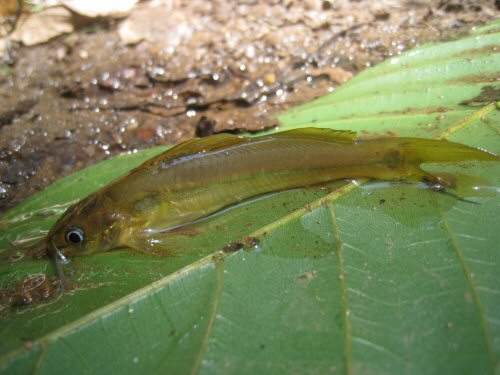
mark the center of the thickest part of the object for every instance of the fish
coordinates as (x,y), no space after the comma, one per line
(203,176)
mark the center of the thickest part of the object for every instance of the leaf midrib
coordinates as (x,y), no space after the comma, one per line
(347,352)
(219,275)
(470,283)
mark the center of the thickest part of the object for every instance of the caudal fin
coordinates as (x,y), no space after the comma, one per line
(420,150)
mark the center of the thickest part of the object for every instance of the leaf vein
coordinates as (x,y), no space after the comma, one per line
(343,290)
(377,347)
(219,275)
(471,284)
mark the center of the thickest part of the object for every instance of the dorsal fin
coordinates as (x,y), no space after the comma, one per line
(212,143)
(198,145)
(319,134)
(224,140)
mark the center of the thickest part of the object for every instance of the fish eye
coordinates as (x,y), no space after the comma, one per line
(75,236)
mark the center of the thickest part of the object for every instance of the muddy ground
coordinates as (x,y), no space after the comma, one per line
(201,67)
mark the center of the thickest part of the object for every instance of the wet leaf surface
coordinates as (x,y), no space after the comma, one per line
(379,277)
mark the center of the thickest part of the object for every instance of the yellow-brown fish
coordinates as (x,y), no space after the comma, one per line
(202,176)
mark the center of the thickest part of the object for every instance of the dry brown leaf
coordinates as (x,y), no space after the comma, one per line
(159,25)
(40,27)
(101,8)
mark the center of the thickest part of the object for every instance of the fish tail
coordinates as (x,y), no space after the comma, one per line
(439,151)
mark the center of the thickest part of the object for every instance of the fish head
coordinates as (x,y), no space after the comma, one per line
(91,226)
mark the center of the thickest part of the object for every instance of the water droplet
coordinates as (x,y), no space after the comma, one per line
(157,71)
(83,54)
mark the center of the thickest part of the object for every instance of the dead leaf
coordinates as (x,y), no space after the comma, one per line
(40,27)
(100,8)
(159,25)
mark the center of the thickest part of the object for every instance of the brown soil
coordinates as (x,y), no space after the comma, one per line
(202,67)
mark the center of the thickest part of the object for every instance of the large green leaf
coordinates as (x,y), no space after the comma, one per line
(375,278)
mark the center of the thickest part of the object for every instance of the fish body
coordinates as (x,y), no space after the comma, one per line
(203,176)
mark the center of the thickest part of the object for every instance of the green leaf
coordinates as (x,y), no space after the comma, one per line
(375,278)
